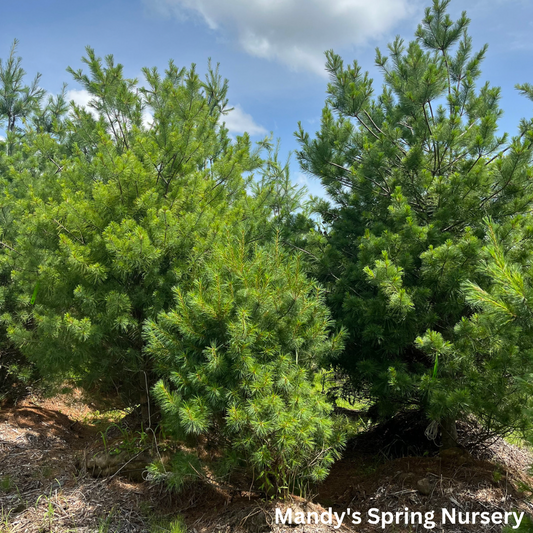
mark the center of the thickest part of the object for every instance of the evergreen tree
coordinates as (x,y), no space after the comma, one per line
(411,174)
(105,212)
(110,215)
(17,101)
(238,352)
(141,253)
(485,369)
(20,107)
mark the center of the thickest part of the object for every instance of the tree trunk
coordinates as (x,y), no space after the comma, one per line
(449,433)
(144,382)
(144,399)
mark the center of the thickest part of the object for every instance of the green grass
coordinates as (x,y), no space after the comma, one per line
(105,523)
(5,527)
(6,484)
(356,405)
(49,514)
(102,419)
(517,439)
(324,382)
(175,525)
(162,524)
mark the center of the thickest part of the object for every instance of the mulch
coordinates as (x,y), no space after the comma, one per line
(43,488)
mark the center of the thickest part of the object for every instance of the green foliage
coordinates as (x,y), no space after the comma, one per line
(6,484)
(105,523)
(16,373)
(139,253)
(412,173)
(111,214)
(238,352)
(5,521)
(183,471)
(173,525)
(489,361)
(20,104)
(130,442)
(525,527)
(17,101)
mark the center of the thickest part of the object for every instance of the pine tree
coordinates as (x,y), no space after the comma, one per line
(17,101)
(106,211)
(238,353)
(111,214)
(485,368)
(411,173)
(139,253)
(20,108)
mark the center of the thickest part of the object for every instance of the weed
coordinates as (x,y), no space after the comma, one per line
(47,472)
(145,508)
(175,525)
(129,443)
(525,488)
(6,484)
(105,523)
(525,527)
(49,514)
(517,439)
(4,520)
(104,439)
(162,524)
(104,418)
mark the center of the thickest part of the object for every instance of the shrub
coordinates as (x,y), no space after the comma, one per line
(238,352)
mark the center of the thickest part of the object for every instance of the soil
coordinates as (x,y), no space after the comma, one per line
(44,487)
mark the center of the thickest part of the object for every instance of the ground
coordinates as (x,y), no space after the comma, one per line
(46,445)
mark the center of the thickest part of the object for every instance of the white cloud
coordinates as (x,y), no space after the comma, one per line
(81,97)
(302,179)
(237,121)
(147,119)
(294,32)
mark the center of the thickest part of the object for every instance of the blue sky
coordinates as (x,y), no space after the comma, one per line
(270,50)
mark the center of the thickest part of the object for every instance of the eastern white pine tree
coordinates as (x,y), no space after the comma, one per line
(412,173)
(139,253)
(239,351)
(20,105)
(111,214)
(485,368)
